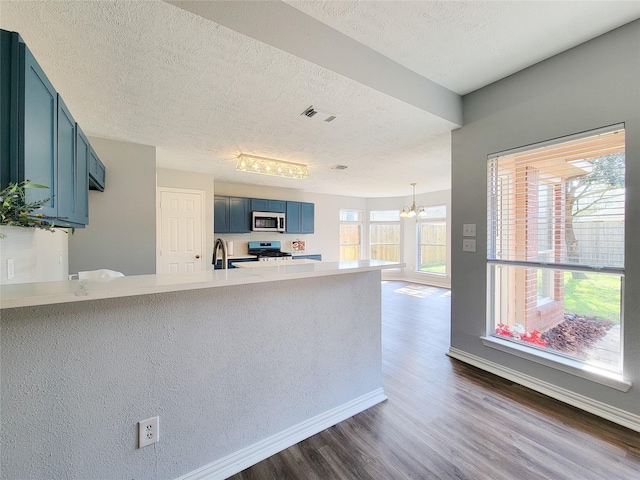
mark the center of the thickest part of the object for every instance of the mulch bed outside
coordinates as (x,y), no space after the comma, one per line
(576,334)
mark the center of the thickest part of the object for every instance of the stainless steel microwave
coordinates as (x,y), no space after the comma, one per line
(267,222)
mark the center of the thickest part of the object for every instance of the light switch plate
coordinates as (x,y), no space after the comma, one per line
(469,230)
(468,245)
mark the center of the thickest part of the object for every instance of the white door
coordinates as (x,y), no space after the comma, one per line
(181,242)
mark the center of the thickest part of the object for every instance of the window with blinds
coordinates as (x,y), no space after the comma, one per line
(556,220)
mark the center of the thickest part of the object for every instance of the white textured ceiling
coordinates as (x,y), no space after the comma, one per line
(157,73)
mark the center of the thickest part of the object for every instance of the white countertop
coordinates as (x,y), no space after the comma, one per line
(46,293)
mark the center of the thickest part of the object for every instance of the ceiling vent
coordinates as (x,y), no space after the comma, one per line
(317,114)
(339,167)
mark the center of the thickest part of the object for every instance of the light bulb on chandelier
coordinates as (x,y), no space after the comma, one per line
(413,210)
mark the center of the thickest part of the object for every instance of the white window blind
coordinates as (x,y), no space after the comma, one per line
(561,203)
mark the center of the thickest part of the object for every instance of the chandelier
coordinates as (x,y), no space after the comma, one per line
(409,212)
(270,166)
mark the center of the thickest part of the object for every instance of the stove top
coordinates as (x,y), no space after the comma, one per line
(267,250)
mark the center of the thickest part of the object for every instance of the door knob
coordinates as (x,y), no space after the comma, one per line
(197,256)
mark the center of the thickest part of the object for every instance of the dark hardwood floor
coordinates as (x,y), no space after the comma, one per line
(444,419)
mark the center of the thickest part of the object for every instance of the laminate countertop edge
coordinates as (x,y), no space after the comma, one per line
(49,293)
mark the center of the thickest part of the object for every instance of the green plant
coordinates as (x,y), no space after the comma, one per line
(16,212)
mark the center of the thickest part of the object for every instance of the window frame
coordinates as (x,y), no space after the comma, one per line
(396,223)
(545,356)
(359,222)
(430,219)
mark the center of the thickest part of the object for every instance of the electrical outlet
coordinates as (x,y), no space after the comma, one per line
(10,269)
(469,230)
(148,431)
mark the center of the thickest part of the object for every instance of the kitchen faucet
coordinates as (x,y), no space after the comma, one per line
(220,244)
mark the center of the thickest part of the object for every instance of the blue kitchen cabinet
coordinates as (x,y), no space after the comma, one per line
(97,172)
(293,223)
(73,180)
(266,205)
(37,140)
(308,257)
(218,265)
(300,217)
(83,149)
(40,137)
(231,215)
(239,215)
(307,220)
(220,214)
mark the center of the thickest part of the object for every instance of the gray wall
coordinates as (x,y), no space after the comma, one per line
(121,234)
(593,85)
(221,369)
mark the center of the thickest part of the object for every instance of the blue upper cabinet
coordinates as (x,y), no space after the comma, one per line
(307,214)
(264,205)
(239,215)
(300,217)
(41,141)
(81,204)
(231,215)
(38,144)
(97,172)
(293,217)
(220,214)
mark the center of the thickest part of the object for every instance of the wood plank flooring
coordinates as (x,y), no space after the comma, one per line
(447,420)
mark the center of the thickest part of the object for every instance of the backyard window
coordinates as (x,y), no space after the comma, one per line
(350,234)
(432,240)
(384,235)
(556,246)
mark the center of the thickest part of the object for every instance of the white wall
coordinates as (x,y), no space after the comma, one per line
(593,85)
(38,255)
(121,234)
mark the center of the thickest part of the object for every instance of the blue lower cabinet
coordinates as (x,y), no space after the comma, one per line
(218,265)
(308,257)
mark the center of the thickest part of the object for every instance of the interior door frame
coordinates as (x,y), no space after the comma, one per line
(203,197)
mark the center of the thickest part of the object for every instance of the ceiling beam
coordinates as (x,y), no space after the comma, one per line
(288,29)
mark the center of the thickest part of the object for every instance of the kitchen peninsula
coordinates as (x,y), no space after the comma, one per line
(238,365)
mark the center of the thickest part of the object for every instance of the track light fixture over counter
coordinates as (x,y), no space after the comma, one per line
(412,211)
(270,166)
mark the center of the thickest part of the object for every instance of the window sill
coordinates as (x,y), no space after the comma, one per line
(436,274)
(579,369)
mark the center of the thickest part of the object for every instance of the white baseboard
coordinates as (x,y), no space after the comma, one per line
(238,461)
(613,414)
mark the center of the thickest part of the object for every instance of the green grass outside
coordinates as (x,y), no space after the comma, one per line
(594,296)
(434,268)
